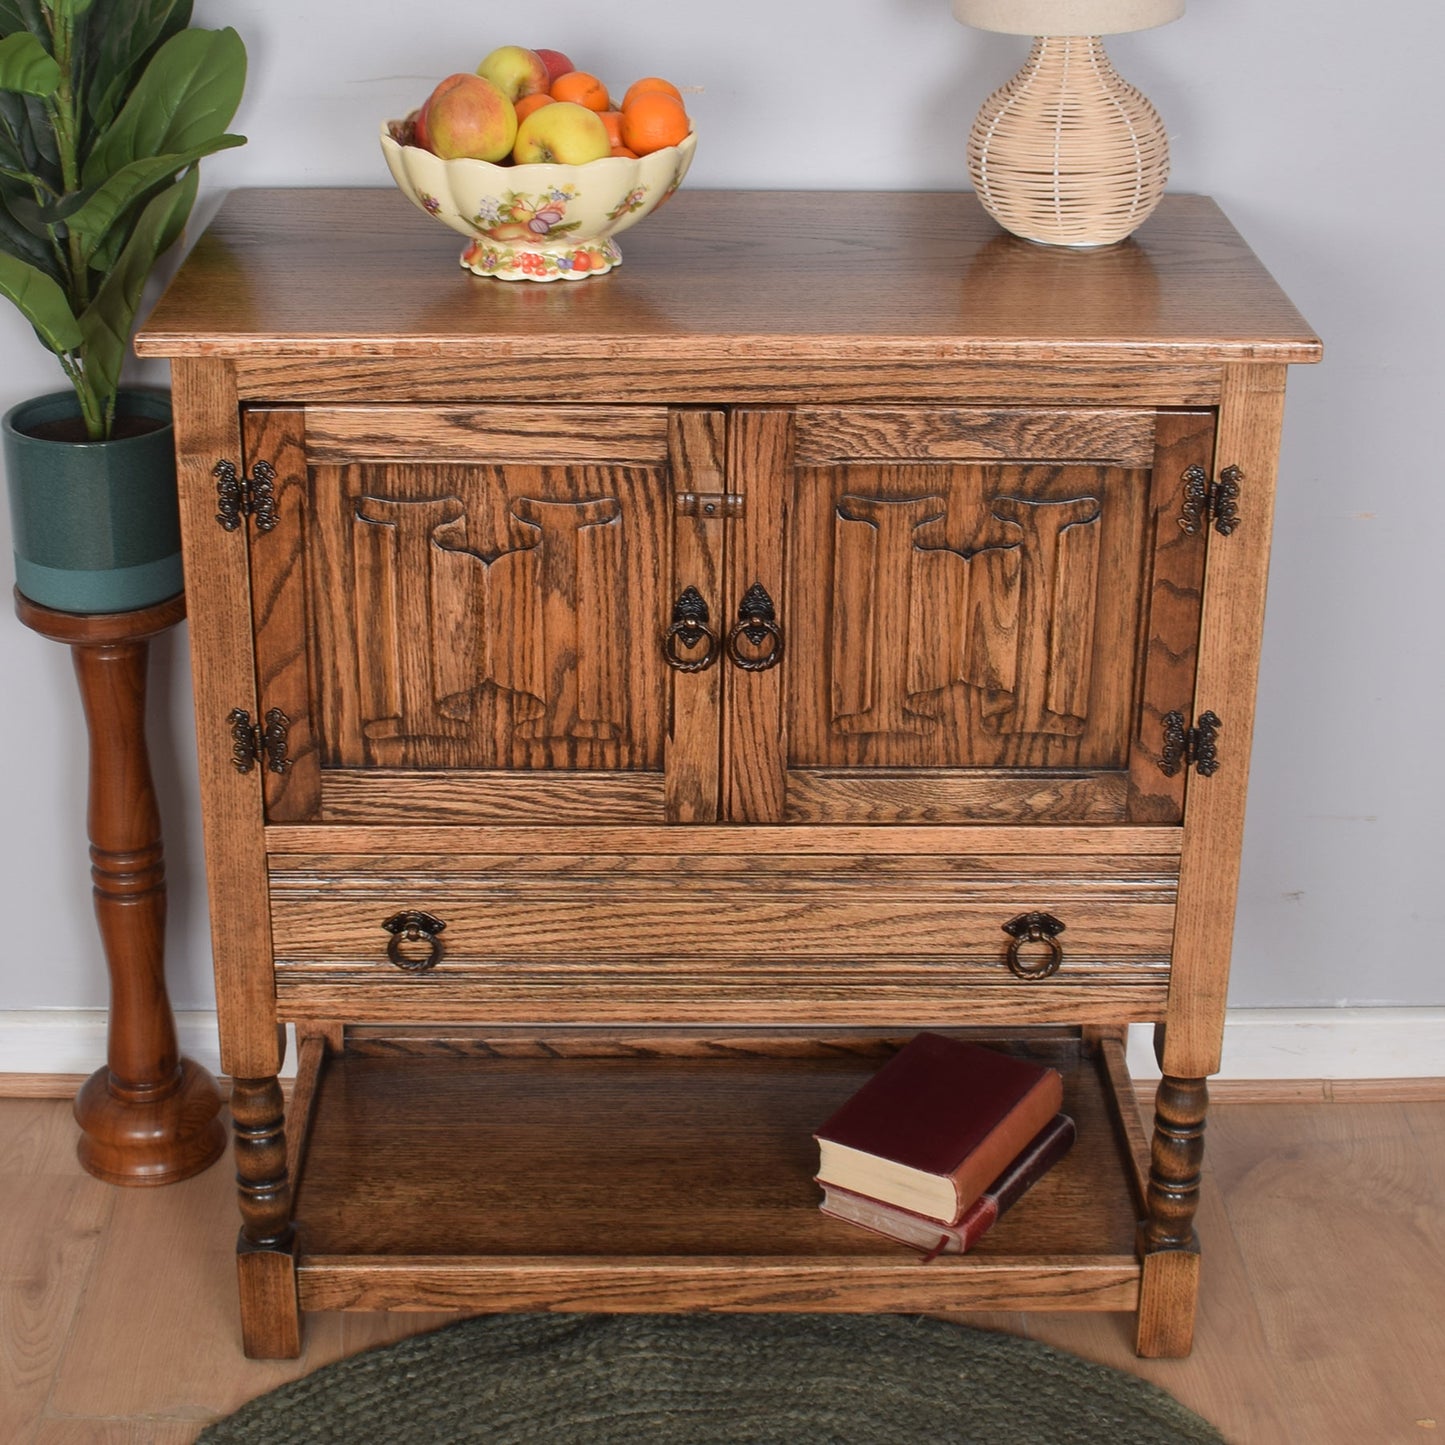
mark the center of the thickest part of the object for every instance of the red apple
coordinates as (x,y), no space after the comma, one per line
(556,63)
(468,116)
(565,132)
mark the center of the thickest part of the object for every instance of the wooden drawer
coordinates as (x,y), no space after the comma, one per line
(722,938)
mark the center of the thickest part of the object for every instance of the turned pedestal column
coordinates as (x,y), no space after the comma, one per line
(149,1116)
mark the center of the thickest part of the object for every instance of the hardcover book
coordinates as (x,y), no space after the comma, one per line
(936,1125)
(906,1227)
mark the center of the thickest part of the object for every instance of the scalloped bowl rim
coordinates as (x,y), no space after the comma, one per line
(536,173)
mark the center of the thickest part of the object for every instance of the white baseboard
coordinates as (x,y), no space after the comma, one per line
(1323,1043)
(72,1041)
(1318,1043)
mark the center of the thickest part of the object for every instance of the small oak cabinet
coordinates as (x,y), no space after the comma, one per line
(628,709)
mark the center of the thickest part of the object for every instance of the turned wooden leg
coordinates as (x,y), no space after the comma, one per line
(149,1116)
(266,1250)
(1169,1289)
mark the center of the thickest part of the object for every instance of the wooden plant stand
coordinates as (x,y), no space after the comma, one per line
(148,1116)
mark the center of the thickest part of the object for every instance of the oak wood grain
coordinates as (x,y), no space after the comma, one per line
(1100,842)
(724,270)
(207,428)
(741,376)
(572,1150)
(1230,629)
(377,796)
(966,526)
(938,795)
(972,434)
(498,435)
(276,436)
(1169,637)
(693,764)
(613,1285)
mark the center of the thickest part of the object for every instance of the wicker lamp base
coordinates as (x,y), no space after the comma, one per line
(1068,153)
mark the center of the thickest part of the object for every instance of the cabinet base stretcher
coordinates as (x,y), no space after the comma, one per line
(648,1171)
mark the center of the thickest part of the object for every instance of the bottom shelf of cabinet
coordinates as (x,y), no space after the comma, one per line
(648,1173)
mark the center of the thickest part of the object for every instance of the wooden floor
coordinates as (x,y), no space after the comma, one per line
(1323,1317)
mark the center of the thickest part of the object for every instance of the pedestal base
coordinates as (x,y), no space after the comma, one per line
(149,1116)
(150,1136)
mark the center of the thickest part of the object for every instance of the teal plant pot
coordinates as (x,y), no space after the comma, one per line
(96,524)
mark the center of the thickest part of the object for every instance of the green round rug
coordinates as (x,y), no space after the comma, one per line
(701,1379)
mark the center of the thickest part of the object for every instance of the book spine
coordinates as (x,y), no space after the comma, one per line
(1048,1146)
(1015,1134)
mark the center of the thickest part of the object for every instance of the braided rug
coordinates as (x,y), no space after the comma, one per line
(707,1379)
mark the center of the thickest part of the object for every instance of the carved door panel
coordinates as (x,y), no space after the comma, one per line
(460,610)
(987,612)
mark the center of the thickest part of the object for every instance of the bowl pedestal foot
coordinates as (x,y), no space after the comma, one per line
(513,261)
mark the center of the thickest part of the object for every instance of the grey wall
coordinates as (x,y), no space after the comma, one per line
(1287,112)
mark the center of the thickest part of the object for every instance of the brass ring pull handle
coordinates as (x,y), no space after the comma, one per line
(1034,928)
(690,619)
(414,927)
(758,622)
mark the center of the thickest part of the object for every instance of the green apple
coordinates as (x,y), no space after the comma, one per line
(564,132)
(468,116)
(515,71)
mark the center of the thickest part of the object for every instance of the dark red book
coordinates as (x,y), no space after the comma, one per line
(936,1125)
(1046,1149)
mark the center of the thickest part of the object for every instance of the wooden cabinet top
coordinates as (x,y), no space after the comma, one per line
(719,275)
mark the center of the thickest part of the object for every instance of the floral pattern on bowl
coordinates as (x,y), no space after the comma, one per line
(537,222)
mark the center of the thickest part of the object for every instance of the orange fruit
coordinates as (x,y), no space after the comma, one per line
(621,150)
(647,83)
(612,119)
(528,103)
(583,89)
(652,121)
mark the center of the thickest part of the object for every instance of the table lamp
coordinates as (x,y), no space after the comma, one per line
(1068,153)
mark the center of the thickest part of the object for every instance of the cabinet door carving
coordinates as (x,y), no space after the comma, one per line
(479,615)
(984,608)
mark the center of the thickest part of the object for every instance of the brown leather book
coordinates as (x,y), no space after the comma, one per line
(1039,1156)
(936,1125)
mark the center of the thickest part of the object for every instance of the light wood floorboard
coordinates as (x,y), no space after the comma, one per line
(1323,1226)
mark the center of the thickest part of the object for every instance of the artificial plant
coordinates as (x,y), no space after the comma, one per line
(106,106)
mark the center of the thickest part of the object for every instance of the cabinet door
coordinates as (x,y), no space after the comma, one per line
(987,613)
(460,612)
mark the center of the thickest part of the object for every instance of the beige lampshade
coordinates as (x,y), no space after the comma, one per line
(1066,17)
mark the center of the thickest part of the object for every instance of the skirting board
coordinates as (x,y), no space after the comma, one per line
(1344,1043)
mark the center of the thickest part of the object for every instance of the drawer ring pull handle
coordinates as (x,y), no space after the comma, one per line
(689,627)
(1035,928)
(758,622)
(413,927)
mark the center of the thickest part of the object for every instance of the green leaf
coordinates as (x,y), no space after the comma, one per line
(120,48)
(42,303)
(27,67)
(186,97)
(116,238)
(17,15)
(27,138)
(105,325)
(189,184)
(16,237)
(105,204)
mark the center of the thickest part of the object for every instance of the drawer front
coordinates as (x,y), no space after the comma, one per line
(724,938)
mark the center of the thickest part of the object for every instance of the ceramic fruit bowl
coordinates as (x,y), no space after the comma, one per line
(536,222)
